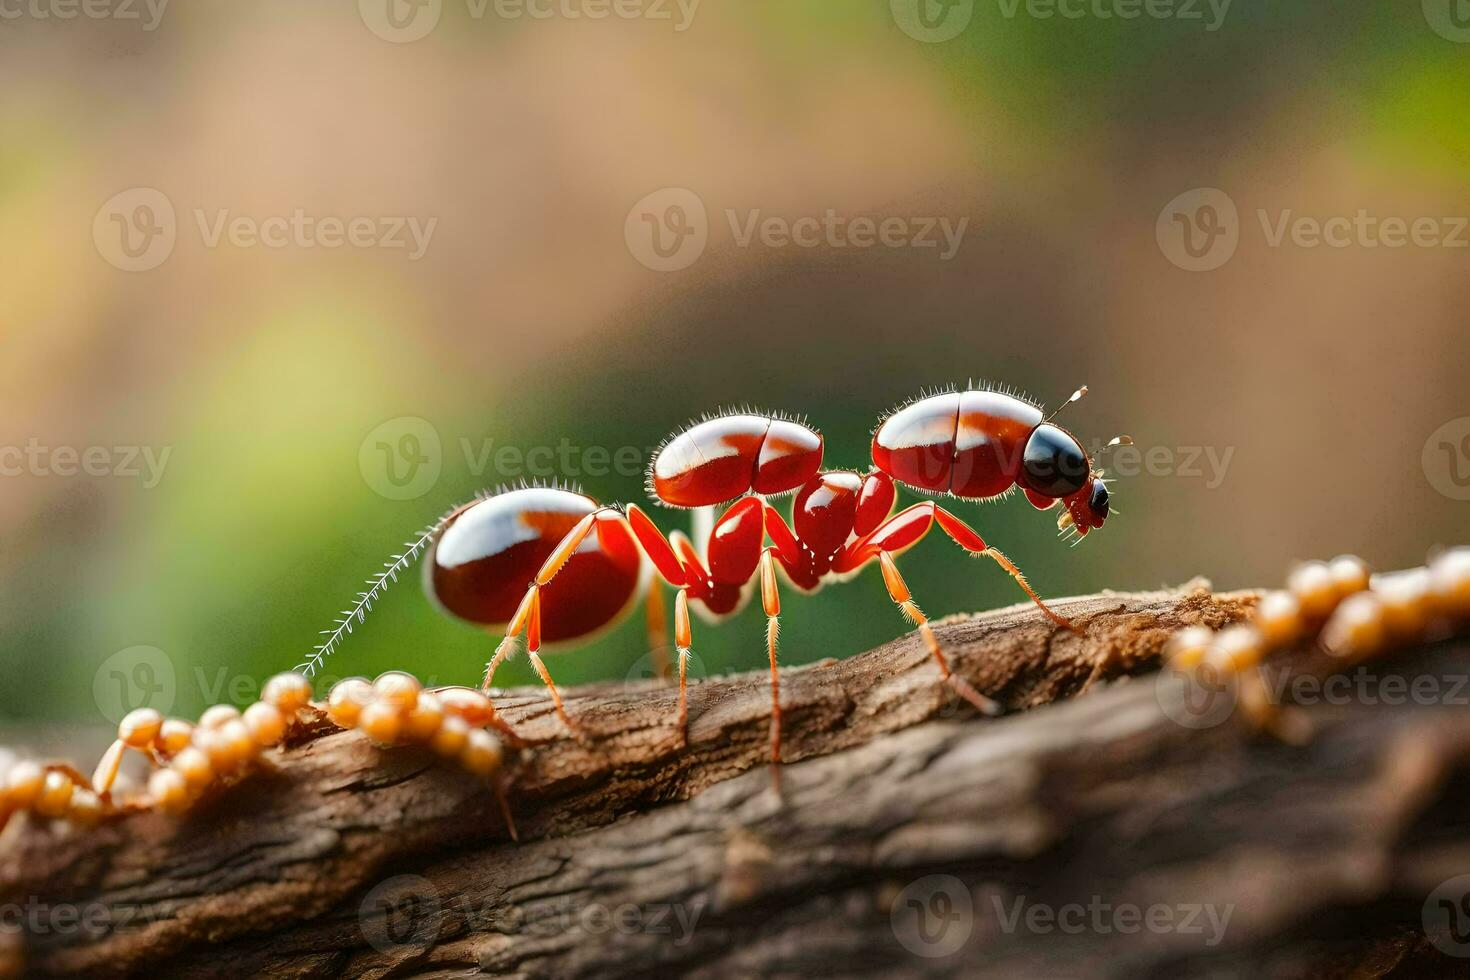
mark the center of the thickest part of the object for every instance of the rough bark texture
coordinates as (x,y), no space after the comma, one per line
(911,837)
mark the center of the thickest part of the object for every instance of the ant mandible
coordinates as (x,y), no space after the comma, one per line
(558,566)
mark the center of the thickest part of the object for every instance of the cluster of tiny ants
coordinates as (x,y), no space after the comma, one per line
(557,567)
(1338,605)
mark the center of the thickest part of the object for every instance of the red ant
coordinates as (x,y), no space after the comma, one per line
(557,565)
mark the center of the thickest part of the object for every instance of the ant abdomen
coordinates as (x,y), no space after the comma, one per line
(479,565)
(966,443)
(728,456)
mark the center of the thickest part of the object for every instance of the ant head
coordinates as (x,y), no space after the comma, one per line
(1053,463)
(1087,502)
(1054,466)
(1086,509)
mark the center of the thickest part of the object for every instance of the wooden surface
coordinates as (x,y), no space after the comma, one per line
(906,825)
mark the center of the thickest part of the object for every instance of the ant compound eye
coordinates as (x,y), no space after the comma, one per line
(1053,463)
(1098,502)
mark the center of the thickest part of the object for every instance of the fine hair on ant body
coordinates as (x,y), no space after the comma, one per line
(555,564)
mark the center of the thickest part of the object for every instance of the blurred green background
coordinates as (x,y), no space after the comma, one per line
(264,372)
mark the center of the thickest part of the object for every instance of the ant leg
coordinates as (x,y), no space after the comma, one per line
(670,568)
(969,539)
(656,621)
(532,625)
(771,601)
(683,639)
(107,768)
(528,614)
(898,591)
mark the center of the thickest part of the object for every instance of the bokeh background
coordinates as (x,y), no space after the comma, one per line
(281,382)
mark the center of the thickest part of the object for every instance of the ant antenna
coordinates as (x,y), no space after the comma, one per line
(1076,395)
(354,615)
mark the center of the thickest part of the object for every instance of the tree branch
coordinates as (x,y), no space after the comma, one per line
(639,851)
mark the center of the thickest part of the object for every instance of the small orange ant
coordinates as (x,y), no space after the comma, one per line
(558,566)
